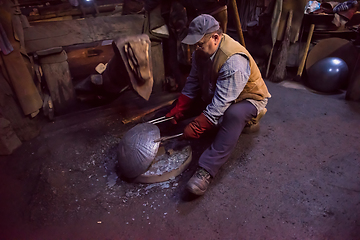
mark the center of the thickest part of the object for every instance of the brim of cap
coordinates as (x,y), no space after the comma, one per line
(191,39)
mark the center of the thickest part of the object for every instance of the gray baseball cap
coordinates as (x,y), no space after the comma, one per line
(200,26)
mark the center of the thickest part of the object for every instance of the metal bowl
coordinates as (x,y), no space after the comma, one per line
(328,74)
(137,149)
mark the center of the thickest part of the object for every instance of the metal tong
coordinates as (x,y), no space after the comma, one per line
(168,137)
(163,119)
(160,119)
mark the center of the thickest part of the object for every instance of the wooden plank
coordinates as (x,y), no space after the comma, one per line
(157,58)
(66,9)
(58,79)
(82,61)
(71,12)
(44,35)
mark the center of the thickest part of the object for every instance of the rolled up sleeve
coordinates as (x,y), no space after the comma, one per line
(231,81)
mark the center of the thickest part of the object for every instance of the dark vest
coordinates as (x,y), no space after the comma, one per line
(208,72)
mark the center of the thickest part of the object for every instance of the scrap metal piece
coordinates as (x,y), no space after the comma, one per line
(166,166)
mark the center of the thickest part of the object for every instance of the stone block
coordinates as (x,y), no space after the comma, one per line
(8,139)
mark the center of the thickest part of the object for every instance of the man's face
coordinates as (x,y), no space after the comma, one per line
(208,44)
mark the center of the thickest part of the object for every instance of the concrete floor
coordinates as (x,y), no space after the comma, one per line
(297,178)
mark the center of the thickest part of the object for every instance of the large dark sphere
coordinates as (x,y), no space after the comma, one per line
(328,74)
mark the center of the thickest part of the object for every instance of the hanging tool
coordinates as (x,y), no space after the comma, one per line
(302,64)
(237,22)
(279,72)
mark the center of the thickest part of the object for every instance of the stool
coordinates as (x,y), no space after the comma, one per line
(254,124)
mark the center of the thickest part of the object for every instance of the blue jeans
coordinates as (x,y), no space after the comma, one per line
(234,121)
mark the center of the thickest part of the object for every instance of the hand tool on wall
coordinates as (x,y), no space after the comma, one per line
(302,63)
(280,71)
(237,22)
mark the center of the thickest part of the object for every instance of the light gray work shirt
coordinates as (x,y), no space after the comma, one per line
(233,76)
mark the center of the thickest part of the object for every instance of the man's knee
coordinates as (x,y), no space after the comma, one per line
(240,112)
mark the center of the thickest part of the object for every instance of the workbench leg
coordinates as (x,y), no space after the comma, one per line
(353,90)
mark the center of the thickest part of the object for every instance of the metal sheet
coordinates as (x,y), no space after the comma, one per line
(333,47)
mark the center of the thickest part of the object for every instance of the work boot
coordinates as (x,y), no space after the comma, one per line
(199,182)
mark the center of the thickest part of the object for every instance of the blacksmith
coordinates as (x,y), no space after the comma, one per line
(227,79)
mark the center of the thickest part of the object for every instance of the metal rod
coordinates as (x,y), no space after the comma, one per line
(159,120)
(164,120)
(168,137)
(269,62)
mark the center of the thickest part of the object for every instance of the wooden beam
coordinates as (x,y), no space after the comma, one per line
(72,12)
(44,35)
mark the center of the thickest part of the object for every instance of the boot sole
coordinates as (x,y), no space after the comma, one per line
(195,190)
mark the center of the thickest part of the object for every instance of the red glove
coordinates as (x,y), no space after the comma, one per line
(182,105)
(197,127)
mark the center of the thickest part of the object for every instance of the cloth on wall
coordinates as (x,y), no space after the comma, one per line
(5,45)
(275,20)
(345,6)
(19,76)
(343,12)
(268,26)
(24,127)
(247,13)
(298,7)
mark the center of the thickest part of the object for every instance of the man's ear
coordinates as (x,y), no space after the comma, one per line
(216,37)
